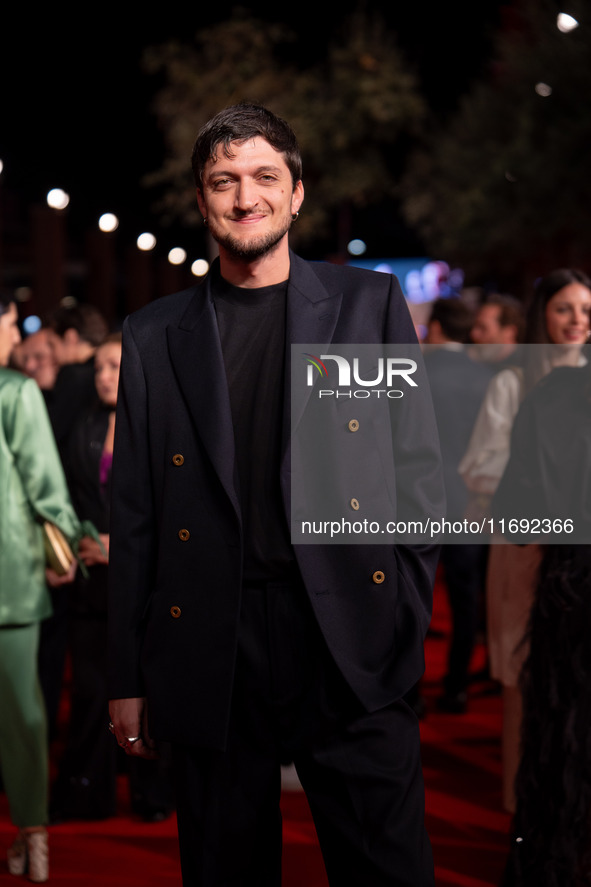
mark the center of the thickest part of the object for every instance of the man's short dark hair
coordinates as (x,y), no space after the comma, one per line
(242,122)
(6,301)
(455,318)
(87,320)
(511,311)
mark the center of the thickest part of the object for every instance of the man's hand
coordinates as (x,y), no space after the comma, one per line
(130,721)
(90,552)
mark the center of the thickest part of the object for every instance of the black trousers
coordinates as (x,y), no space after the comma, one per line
(464,570)
(361,772)
(86,785)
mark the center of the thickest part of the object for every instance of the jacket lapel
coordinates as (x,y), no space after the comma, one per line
(312,315)
(196,356)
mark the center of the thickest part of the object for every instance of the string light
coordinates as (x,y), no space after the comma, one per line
(108,222)
(177,256)
(566,22)
(146,241)
(57,198)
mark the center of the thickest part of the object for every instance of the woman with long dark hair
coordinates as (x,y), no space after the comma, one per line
(557,326)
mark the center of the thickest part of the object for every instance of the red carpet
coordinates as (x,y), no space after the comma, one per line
(462,768)
(468,828)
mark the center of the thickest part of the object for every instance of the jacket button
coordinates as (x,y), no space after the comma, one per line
(184,535)
(178,459)
(175,612)
(378,577)
(353,425)
(354,503)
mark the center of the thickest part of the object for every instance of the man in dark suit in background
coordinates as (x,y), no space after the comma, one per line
(238,647)
(497,329)
(73,333)
(458,385)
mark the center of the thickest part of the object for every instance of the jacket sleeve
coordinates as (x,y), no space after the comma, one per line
(487,455)
(419,471)
(37,461)
(132,529)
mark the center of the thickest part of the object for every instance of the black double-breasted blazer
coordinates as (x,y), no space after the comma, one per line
(176,535)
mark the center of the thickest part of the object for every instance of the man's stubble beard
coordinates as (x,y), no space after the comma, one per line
(249,250)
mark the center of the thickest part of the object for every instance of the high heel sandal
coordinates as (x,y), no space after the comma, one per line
(38,855)
(17,855)
(30,853)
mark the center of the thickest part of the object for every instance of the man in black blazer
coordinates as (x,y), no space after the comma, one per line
(240,648)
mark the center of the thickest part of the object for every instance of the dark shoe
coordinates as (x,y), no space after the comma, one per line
(149,813)
(481,676)
(158,814)
(452,703)
(493,688)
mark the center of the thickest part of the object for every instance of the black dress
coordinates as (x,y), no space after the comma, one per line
(86,783)
(549,477)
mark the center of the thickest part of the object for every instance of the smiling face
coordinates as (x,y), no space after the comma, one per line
(9,333)
(567,315)
(248,199)
(107,363)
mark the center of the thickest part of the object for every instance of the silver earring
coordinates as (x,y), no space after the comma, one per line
(205,221)
(294,216)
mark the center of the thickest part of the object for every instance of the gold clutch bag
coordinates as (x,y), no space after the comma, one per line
(58,553)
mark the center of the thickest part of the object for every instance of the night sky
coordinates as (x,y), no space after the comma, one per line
(75,103)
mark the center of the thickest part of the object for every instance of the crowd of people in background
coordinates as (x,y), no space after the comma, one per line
(57,409)
(482,378)
(517,443)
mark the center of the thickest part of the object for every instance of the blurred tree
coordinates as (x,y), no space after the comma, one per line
(351,110)
(504,187)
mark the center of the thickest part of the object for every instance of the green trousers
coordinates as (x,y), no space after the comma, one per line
(23,728)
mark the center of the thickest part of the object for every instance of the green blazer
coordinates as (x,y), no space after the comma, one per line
(32,489)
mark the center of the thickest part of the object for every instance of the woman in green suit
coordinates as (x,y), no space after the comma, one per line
(32,489)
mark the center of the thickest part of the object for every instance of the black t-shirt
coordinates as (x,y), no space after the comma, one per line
(252,332)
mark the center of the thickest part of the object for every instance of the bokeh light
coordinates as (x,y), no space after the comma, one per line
(177,256)
(356,247)
(146,241)
(566,22)
(108,222)
(57,198)
(31,324)
(200,267)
